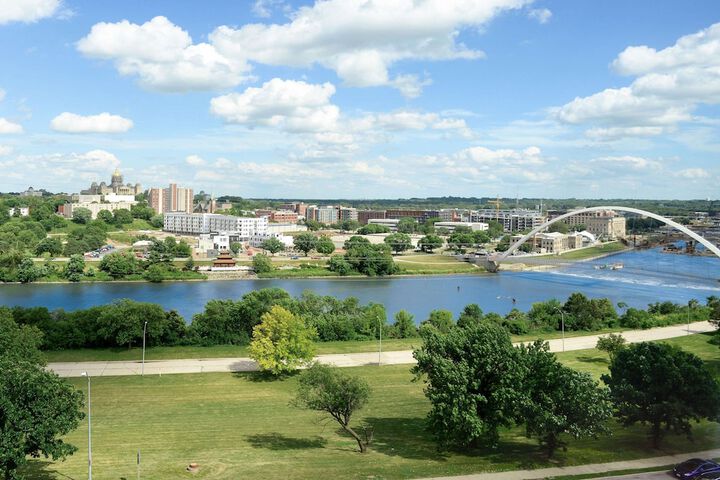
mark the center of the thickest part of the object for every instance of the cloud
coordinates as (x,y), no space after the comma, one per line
(8,127)
(102,123)
(264,8)
(194,160)
(693,173)
(358,39)
(59,170)
(6,150)
(27,10)
(626,162)
(542,15)
(162,56)
(669,86)
(291,105)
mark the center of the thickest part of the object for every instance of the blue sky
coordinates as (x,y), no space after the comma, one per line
(361,98)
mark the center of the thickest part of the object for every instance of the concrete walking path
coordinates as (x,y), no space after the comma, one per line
(598,468)
(159,367)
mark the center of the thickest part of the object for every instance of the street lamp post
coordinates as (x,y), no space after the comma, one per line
(89,413)
(562,326)
(688,317)
(142,368)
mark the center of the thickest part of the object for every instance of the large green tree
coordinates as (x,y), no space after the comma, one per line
(19,342)
(324,245)
(430,242)
(327,389)
(662,386)
(282,342)
(473,378)
(273,245)
(398,242)
(559,400)
(305,242)
(119,264)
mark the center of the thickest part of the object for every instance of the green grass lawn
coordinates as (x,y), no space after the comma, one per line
(590,252)
(429,264)
(242,426)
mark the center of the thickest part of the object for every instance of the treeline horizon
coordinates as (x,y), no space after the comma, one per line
(231,322)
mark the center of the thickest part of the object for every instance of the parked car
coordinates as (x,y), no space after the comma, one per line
(693,468)
(711,475)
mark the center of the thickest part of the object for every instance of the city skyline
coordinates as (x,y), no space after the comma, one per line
(273,99)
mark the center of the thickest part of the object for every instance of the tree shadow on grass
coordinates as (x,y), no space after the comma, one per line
(261,377)
(409,438)
(42,470)
(278,441)
(589,359)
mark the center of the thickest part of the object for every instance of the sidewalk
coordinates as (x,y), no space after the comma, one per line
(165,367)
(599,468)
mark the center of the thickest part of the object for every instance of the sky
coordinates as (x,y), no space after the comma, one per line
(364,98)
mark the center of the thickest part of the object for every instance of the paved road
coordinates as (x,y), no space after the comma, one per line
(664,475)
(594,468)
(160,367)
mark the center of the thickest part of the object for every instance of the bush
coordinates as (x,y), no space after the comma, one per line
(262,264)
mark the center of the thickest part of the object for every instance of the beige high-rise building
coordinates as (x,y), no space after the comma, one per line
(171,199)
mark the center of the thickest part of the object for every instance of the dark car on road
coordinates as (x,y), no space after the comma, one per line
(711,475)
(693,468)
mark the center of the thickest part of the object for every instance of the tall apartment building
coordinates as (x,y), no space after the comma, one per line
(421,216)
(202,223)
(327,214)
(365,215)
(603,223)
(171,199)
(347,213)
(515,220)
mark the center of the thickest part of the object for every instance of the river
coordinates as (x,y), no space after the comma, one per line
(648,276)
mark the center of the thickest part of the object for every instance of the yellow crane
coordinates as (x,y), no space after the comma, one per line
(497,204)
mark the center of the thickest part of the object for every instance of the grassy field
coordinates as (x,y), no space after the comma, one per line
(590,252)
(229,351)
(242,426)
(429,264)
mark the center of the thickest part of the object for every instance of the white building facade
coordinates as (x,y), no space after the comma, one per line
(199,223)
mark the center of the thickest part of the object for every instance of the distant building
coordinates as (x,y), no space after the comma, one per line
(365,215)
(116,186)
(199,223)
(451,226)
(224,261)
(421,216)
(514,220)
(283,216)
(171,199)
(298,207)
(603,223)
(205,203)
(94,207)
(19,211)
(391,223)
(347,213)
(327,214)
(31,192)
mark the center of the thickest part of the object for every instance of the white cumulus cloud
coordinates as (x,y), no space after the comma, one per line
(194,160)
(542,15)
(27,10)
(669,86)
(102,123)
(8,127)
(295,106)
(693,173)
(6,150)
(162,55)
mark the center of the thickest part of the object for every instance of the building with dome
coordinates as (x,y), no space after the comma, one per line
(116,187)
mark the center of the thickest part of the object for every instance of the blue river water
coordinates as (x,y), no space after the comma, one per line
(647,276)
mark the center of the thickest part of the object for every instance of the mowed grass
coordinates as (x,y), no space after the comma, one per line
(433,264)
(590,252)
(243,426)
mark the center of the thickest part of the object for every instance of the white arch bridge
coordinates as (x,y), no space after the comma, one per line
(495,260)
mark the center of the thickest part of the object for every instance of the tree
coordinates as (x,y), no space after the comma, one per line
(324,245)
(273,245)
(154,273)
(106,216)
(19,342)
(81,215)
(713,303)
(442,320)
(157,221)
(327,389)
(122,216)
(313,225)
(235,247)
(560,400)
(75,268)
(51,245)
(398,242)
(38,409)
(429,243)
(370,259)
(27,272)
(407,225)
(611,344)
(470,315)
(189,264)
(338,264)
(121,323)
(118,264)
(305,242)
(561,227)
(75,246)
(281,342)
(458,242)
(262,263)
(404,326)
(373,228)
(663,386)
(472,376)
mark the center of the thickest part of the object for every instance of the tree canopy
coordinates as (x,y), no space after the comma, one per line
(282,342)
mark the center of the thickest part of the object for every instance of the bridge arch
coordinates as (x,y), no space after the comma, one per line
(708,244)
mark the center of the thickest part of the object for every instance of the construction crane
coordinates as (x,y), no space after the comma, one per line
(497,204)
